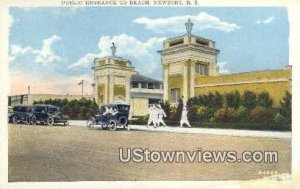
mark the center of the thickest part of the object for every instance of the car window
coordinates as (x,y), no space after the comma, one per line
(123,108)
(40,109)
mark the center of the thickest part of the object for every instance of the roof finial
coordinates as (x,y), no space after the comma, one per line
(189,26)
(113,49)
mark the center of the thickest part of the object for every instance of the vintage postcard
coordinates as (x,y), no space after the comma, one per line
(159,91)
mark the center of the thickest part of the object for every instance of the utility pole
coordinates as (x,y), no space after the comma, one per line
(28,94)
(81,83)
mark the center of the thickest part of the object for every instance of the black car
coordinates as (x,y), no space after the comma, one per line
(111,116)
(21,114)
(50,114)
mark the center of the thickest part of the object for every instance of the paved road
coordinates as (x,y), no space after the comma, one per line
(41,153)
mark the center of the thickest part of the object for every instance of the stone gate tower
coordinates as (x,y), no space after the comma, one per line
(112,78)
(182,56)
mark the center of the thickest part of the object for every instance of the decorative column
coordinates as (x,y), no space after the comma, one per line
(185,82)
(192,79)
(111,88)
(106,97)
(127,87)
(166,82)
(96,92)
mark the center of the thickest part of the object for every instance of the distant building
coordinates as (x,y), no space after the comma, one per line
(29,99)
(190,69)
(116,81)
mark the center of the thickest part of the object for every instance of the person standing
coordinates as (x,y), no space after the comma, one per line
(151,119)
(160,115)
(184,117)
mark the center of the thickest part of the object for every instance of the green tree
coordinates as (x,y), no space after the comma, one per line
(165,105)
(75,109)
(264,99)
(233,99)
(286,106)
(179,109)
(217,100)
(249,99)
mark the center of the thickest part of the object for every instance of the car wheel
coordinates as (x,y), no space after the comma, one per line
(112,125)
(50,121)
(90,124)
(28,121)
(33,120)
(66,123)
(14,120)
(124,122)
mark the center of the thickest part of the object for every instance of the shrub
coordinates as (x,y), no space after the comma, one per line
(173,115)
(286,107)
(204,113)
(233,99)
(261,114)
(225,115)
(242,114)
(179,109)
(279,119)
(213,100)
(139,120)
(165,105)
(75,109)
(264,100)
(193,113)
(249,99)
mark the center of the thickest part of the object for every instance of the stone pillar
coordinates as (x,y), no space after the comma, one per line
(166,76)
(127,88)
(106,97)
(185,82)
(96,92)
(111,88)
(192,79)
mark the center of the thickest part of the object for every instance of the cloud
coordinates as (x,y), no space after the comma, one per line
(44,56)
(222,68)
(85,61)
(143,54)
(175,24)
(49,84)
(266,21)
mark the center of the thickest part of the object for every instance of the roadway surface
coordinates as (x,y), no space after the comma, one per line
(58,153)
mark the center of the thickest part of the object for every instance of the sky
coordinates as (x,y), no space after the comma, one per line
(52,49)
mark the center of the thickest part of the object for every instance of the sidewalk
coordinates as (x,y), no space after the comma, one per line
(210,131)
(204,131)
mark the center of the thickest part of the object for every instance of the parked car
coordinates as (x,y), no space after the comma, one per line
(49,114)
(111,116)
(21,114)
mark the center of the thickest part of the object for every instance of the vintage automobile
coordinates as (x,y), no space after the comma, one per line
(111,116)
(50,114)
(21,114)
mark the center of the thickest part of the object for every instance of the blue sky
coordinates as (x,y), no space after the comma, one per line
(53,48)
